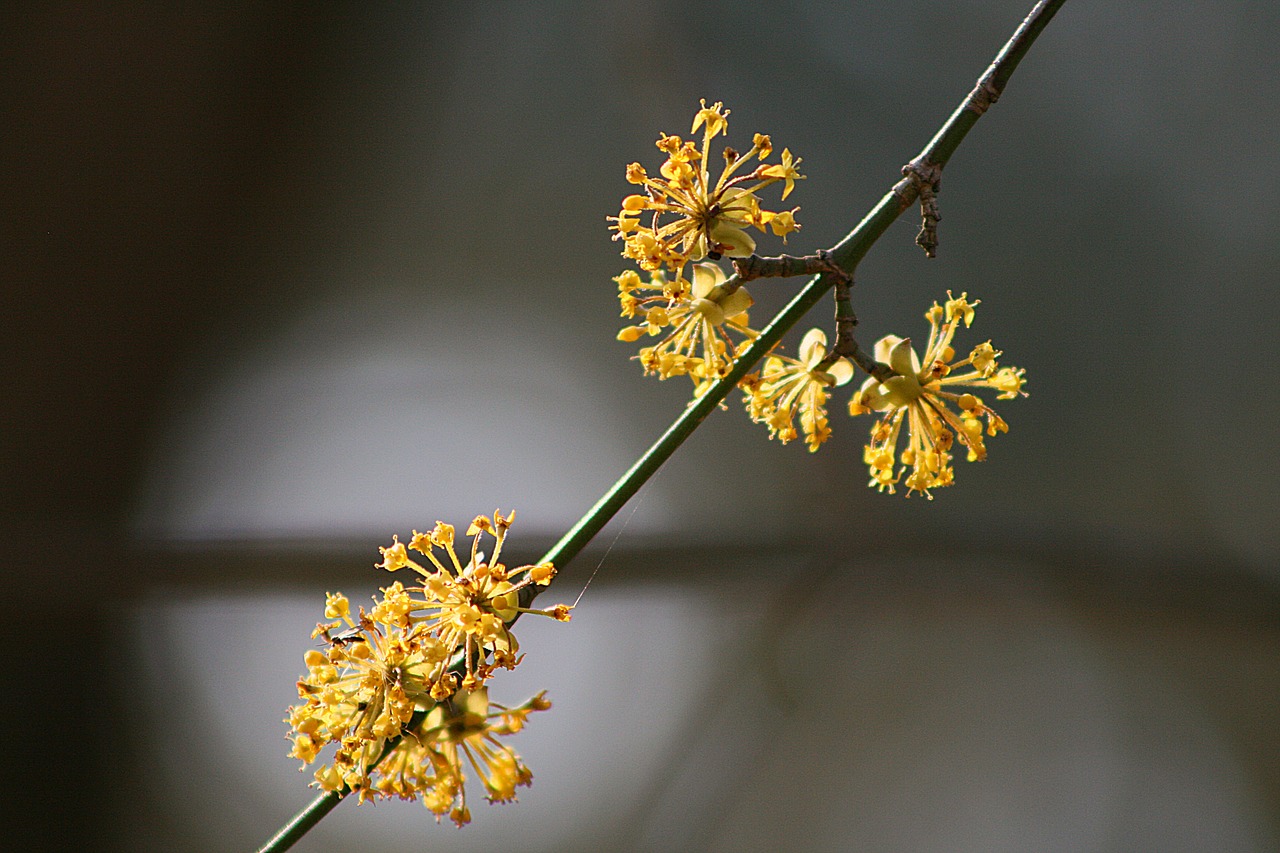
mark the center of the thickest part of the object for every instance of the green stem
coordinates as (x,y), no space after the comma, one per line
(302,822)
(847,253)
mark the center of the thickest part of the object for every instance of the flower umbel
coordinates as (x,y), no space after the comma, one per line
(787,386)
(359,692)
(916,395)
(697,320)
(464,608)
(404,657)
(429,761)
(702,219)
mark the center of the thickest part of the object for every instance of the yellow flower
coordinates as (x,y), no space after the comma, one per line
(429,761)
(463,608)
(786,386)
(786,171)
(704,220)
(916,396)
(695,319)
(781,224)
(359,692)
(377,670)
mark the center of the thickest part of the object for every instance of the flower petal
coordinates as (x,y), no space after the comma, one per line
(903,359)
(705,279)
(737,302)
(734,242)
(813,347)
(842,370)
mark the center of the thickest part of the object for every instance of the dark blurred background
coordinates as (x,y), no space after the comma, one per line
(283,280)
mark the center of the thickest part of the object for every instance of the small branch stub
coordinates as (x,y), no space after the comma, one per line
(926,177)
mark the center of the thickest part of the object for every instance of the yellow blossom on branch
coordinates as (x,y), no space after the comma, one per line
(463,607)
(682,216)
(695,319)
(429,762)
(359,692)
(405,655)
(787,387)
(934,417)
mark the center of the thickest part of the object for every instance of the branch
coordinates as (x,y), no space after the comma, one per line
(784,266)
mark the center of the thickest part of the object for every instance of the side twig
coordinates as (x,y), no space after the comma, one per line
(846,346)
(821,263)
(926,177)
(783,266)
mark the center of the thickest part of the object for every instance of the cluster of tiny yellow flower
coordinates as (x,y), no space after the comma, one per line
(699,317)
(915,395)
(786,387)
(709,221)
(683,218)
(411,673)
(467,725)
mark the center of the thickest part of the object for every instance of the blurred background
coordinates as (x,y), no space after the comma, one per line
(285,280)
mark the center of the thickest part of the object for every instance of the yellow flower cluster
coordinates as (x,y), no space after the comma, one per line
(695,322)
(429,760)
(682,217)
(705,220)
(420,649)
(787,386)
(463,607)
(934,417)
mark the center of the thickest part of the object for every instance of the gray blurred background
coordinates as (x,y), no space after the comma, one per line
(284,281)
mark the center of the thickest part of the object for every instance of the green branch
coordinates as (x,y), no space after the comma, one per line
(302,822)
